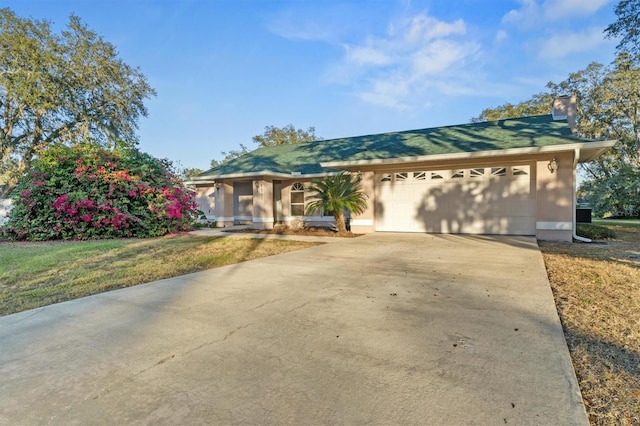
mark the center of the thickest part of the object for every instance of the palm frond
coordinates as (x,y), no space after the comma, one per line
(337,193)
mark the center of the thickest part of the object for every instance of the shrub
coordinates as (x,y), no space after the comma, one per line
(594,232)
(88,192)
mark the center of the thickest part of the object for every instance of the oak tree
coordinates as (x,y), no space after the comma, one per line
(272,136)
(286,135)
(626,27)
(608,108)
(62,88)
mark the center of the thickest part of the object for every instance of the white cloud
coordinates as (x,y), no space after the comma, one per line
(388,92)
(395,69)
(528,13)
(560,9)
(534,13)
(562,45)
(316,22)
(501,36)
(555,29)
(437,57)
(426,28)
(366,55)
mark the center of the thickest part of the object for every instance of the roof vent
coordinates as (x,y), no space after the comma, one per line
(564,108)
(296,173)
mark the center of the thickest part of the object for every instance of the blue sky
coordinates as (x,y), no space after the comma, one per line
(224,70)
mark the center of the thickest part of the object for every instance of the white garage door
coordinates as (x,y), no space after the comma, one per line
(484,200)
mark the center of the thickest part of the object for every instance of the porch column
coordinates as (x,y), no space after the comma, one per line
(224,205)
(365,222)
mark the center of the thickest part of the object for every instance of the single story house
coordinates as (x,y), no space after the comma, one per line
(511,177)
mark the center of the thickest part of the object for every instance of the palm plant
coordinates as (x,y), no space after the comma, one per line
(336,194)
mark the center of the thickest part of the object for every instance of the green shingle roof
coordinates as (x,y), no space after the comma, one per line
(527,132)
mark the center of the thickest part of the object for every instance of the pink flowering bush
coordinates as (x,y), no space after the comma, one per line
(87,192)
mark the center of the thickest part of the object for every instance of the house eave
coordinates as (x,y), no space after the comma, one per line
(589,151)
(216,178)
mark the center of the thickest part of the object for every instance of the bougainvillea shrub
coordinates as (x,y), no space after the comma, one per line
(88,192)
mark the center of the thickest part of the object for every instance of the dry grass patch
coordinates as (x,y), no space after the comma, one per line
(597,292)
(39,274)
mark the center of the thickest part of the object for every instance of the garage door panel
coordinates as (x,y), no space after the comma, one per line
(521,208)
(475,205)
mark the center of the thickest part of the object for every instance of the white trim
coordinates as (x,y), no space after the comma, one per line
(225,219)
(243,218)
(361,222)
(263,173)
(263,220)
(554,226)
(599,145)
(200,182)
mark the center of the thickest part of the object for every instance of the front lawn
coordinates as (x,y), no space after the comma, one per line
(39,274)
(597,291)
(596,287)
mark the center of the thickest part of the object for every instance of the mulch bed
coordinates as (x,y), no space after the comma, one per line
(310,231)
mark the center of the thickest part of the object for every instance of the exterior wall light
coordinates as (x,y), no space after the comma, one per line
(553,165)
(217,187)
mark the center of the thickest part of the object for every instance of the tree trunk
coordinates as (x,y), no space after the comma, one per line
(340,224)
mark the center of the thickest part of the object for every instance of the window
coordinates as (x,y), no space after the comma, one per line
(297,199)
(521,171)
(458,174)
(498,171)
(402,176)
(386,177)
(476,173)
(420,175)
(436,175)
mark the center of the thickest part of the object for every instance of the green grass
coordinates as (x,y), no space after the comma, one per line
(617,222)
(39,274)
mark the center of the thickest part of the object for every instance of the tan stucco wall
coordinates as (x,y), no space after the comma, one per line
(550,195)
(555,199)
(206,200)
(365,222)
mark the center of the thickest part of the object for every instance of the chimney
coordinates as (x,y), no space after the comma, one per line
(564,108)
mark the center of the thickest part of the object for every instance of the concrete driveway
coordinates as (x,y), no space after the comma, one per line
(384,329)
